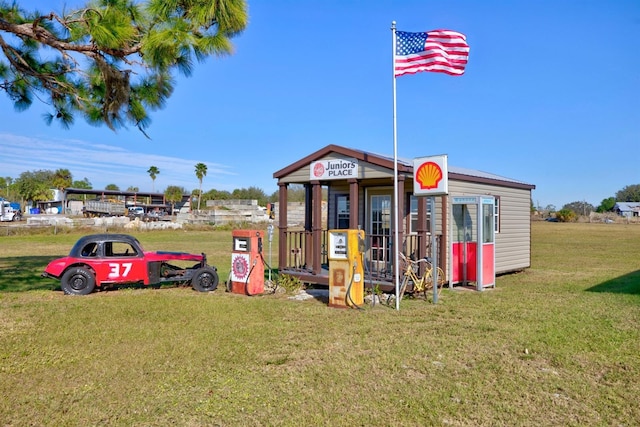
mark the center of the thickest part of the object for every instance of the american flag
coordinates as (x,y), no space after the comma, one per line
(442,51)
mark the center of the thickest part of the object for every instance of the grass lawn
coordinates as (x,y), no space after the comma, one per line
(557,344)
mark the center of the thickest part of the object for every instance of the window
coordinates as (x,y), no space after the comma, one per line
(488,224)
(90,250)
(119,249)
(342,211)
(413,215)
(380,226)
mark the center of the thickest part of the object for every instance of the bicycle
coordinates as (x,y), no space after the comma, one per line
(421,284)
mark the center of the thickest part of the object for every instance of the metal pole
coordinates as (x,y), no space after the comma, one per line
(434,249)
(270,237)
(396,237)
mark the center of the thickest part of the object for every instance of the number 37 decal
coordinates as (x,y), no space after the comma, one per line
(119,270)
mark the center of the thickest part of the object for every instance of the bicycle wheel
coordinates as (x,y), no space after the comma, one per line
(429,281)
(403,286)
(441,280)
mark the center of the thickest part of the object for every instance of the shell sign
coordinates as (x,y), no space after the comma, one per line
(430,176)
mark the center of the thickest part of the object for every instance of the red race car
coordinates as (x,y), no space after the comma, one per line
(104,260)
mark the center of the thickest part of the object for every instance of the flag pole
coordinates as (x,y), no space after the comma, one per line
(396,237)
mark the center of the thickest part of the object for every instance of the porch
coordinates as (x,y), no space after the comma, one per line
(311,266)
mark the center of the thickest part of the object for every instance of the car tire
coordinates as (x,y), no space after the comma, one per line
(78,281)
(205,279)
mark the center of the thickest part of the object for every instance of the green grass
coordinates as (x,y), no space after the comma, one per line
(557,344)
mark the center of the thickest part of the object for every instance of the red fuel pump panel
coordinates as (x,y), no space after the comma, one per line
(247,266)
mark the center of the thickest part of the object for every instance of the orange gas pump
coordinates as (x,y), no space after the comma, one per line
(346,270)
(247,267)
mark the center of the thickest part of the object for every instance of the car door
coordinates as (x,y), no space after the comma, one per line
(120,262)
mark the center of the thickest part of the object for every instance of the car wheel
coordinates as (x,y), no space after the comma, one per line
(78,281)
(205,279)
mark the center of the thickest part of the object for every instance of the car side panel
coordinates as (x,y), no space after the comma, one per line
(153,270)
(57,267)
(120,270)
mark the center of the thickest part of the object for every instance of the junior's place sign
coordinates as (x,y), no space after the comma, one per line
(334,169)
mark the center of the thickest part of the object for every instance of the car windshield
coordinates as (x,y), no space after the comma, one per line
(90,249)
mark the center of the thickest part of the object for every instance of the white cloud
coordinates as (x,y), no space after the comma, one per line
(101,164)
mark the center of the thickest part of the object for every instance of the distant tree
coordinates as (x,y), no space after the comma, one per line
(110,61)
(35,186)
(215,195)
(606,205)
(133,189)
(295,193)
(62,179)
(174,194)
(579,208)
(82,184)
(201,172)
(112,187)
(630,193)
(85,184)
(566,215)
(5,186)
(251,193)
(153,172)
(550,208)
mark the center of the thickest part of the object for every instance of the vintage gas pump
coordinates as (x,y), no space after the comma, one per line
(346,270)
(247,267)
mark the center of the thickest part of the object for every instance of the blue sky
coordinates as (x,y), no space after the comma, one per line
(551,97)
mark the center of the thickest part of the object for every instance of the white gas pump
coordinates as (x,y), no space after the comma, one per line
(346,269)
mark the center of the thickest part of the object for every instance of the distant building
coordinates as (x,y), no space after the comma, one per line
(627,209)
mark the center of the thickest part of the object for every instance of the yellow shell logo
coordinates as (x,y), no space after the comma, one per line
(429,176)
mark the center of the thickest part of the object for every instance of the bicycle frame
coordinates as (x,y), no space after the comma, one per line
(422,283)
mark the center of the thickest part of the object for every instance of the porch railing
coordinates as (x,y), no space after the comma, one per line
(378,252)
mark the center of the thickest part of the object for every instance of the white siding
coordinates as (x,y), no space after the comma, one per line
(513,241)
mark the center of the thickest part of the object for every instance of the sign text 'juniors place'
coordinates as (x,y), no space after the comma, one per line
(334,169)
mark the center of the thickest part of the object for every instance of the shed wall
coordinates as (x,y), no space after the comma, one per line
(513,241)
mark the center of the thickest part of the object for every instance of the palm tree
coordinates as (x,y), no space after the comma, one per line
(62,179)
(173,194)
(201,172)
(153,172)
(8,180)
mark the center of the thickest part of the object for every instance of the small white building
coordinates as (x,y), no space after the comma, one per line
(361,196)
(627,209)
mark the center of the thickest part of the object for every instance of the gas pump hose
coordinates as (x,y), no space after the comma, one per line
(246,282)
(349,299)
(228,282)
(368,272)
(275,282)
